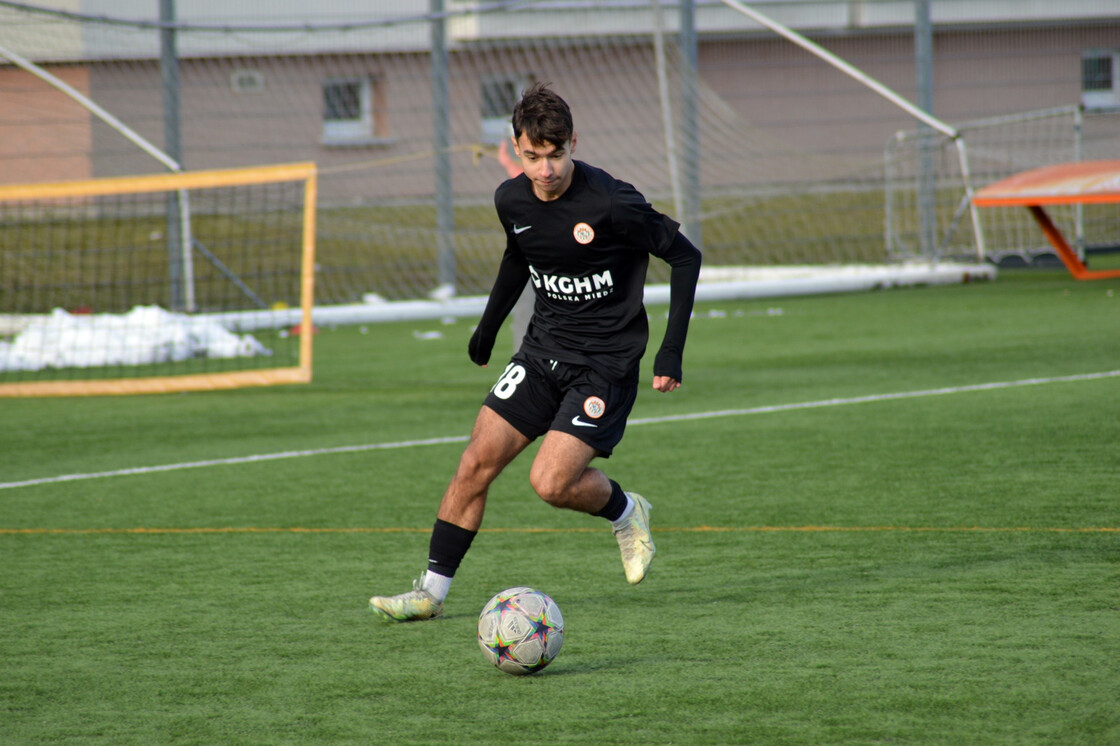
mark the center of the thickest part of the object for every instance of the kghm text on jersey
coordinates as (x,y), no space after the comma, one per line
(560,287)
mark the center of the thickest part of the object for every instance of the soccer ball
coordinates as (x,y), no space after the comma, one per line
(520,630)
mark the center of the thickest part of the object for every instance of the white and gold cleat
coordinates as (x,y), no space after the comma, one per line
(634,540)
(413,606)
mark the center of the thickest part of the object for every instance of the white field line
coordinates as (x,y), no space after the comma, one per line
(875,398)
(641,421)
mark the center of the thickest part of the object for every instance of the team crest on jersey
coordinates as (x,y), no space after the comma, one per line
(583,233)
(594,407)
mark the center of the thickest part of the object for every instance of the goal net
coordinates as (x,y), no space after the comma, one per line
(173,282)
(997,147)
(773,157)
(777,182)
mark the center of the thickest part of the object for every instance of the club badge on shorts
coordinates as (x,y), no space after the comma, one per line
(583,233)
(594,407)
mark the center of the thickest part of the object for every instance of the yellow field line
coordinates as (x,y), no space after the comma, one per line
(676,529)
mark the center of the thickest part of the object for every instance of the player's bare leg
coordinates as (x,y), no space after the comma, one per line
(494,443)
(561,475)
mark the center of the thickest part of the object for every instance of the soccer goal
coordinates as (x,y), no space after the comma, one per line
(172,282)
(998,147)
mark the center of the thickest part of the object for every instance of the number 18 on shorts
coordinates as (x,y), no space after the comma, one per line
(536,396)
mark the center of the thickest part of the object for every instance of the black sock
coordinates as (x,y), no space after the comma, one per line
(447,547)
(616,503)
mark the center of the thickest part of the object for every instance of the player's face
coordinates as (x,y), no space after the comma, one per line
(548,167)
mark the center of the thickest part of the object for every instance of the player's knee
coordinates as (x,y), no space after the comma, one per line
(474,469)
(552,488)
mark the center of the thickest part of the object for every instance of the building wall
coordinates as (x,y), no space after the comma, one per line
(764,97)
(977,73)
(44,136)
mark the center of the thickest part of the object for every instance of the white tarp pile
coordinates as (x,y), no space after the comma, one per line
(144,335)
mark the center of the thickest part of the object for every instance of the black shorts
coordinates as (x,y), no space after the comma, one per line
(536,396)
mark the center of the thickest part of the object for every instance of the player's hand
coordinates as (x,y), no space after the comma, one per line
(665,384)
(479,348)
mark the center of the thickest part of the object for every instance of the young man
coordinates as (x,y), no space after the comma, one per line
(584,239)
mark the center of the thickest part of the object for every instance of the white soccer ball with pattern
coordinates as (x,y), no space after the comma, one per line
(520,630)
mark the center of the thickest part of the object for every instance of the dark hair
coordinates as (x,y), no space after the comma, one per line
(543,116)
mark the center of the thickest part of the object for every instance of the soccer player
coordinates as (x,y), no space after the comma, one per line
(584,239)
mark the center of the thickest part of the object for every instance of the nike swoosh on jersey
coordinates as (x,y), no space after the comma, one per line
(580,423)
(518,230)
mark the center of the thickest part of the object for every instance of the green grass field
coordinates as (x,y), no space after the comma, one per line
(890,517)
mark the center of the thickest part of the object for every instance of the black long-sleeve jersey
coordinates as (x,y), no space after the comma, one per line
(586,253)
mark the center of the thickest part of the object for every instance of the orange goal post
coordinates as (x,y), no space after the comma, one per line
(132,285)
